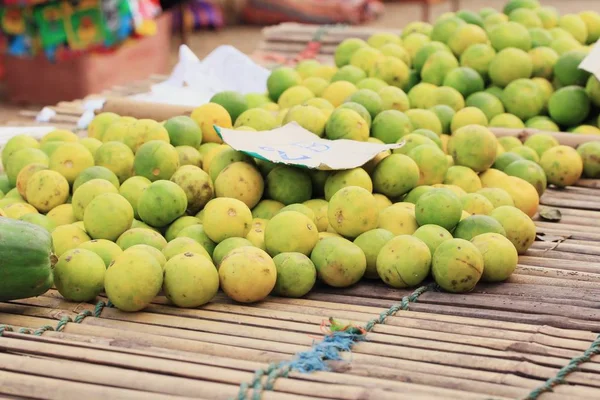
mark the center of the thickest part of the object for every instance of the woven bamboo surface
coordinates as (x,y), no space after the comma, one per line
(500,341)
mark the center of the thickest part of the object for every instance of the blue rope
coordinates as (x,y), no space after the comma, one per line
(328,349)
(62,323)
(561,375)
(5,328)
(81,316)
(40,331)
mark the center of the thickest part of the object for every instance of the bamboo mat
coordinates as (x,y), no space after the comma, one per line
(499,342)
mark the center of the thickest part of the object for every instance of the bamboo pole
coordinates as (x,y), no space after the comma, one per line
(532,270)
(562,255)
(568,247)
(580,221)
(570,202)
(31,386)
(577,235)
(564,194)
(551,263)
(577,188)
(566,226)
(589,183)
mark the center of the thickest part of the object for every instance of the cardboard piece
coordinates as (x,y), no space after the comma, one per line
(293,145)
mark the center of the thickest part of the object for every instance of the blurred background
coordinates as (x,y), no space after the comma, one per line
(138,38)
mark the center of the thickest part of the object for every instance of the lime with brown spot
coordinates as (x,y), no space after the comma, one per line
(156,160)
(79,275)
(457,265)
(46,190)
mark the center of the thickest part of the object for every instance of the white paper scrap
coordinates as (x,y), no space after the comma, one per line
(94,104)
(90,106)
(236,71)
(193,82)
(37,132)
(293,145)
(591,63)
(45,115)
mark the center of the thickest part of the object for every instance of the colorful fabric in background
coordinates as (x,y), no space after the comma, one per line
(3,44)
(199,14)
(269,12)
(66,28)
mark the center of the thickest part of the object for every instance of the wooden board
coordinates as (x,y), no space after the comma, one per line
(500,341)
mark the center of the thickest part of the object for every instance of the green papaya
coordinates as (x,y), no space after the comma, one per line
(25,260)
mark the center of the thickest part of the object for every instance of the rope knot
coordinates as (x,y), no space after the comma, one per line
(5,328)
(331,326)
(40,331)
(82,315)
(62,323)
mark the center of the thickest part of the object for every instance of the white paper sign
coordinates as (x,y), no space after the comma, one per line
(293,145)
(591,63)
(7,132)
